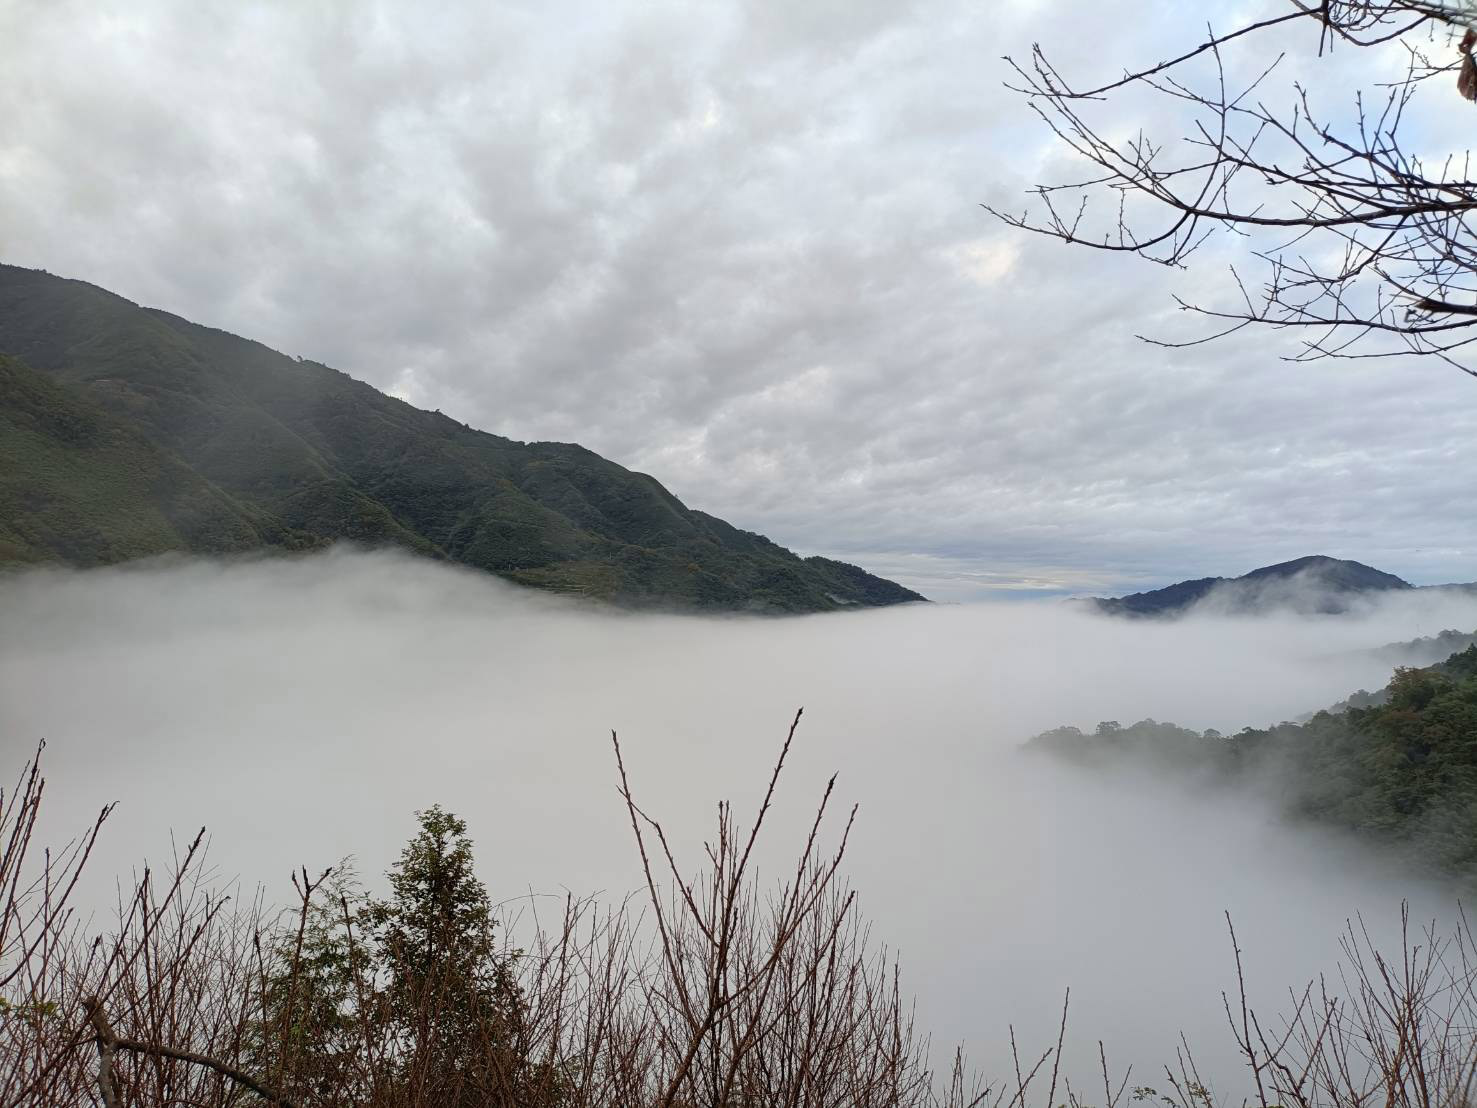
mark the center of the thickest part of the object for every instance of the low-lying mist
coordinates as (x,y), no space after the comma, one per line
(304,709)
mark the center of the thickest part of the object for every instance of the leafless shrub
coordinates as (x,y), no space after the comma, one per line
(1394,1032)
(720,991)
(717,992)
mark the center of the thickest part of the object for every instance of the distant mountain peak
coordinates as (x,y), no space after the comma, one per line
(1314,584)
(1356,574)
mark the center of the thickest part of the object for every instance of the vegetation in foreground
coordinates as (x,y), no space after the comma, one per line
(715,993)
(1398,766)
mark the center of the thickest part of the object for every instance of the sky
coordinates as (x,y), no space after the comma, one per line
(738,246)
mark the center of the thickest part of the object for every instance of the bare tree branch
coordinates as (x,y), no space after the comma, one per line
(1361,239)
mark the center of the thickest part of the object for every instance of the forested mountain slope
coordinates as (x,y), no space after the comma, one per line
(127,431)
(1399,767)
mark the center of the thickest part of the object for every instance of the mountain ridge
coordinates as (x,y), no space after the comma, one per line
(1313,584)
(291,454)
(1396,766)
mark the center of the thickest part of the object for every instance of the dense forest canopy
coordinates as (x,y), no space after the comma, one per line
(1398,767)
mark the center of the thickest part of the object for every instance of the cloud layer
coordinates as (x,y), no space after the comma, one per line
(303,709)
(737,246)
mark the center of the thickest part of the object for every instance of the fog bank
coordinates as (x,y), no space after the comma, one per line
(304,709)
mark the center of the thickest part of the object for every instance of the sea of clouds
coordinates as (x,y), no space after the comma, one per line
(303,709)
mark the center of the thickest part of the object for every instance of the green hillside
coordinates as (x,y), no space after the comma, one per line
(128,431)
(81,485)
(1398,767)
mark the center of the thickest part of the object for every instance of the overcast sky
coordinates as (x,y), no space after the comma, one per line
(735,245)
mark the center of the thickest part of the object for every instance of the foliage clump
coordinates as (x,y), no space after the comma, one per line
(419,973)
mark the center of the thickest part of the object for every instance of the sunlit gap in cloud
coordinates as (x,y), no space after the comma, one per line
(303,708)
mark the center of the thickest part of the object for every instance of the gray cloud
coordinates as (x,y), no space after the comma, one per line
(737,246)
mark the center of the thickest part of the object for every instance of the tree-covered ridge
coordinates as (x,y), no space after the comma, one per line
(1427,649)
(1314,585)
(1401,769)
(270,451)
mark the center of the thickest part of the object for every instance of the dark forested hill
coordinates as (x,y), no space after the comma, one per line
(126,431)
(1315,584)
(1399,766)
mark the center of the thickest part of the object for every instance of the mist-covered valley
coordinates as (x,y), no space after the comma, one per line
(303,709)
(469,488)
